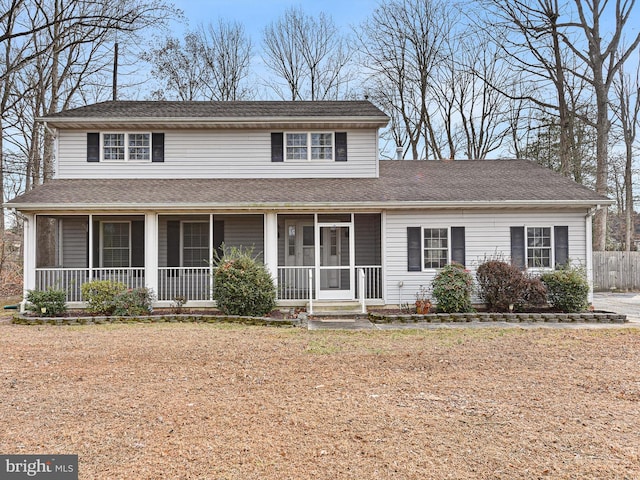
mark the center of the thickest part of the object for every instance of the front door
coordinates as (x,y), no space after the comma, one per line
(335,268)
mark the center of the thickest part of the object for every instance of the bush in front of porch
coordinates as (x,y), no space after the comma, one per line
(243,286)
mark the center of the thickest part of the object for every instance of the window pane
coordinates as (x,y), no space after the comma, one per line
(296,146)
(115,245)
(139,146)
(436,247)
(113,146)
(321,146)
(195,244)
(539,247)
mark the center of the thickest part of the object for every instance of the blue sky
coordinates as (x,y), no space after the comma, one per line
(257,14)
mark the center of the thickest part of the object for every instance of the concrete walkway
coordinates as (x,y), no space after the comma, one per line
(624,303)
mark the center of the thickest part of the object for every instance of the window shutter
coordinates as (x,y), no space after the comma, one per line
(518,257)
(457,245)
(173,243)
(137,243)
(157,147)
(218,237)
(93,147)
(341,146)
(414,257)
(561,245)
(277,148)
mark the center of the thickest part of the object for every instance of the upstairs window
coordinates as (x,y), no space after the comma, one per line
(309,146)
(124,147)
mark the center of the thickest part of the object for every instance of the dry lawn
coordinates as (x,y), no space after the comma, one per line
(178,401)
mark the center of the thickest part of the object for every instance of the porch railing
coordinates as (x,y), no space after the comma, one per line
(190,283)
(71,279)
(372,282)
(294,283)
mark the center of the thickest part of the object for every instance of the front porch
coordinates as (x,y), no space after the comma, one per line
(328,257)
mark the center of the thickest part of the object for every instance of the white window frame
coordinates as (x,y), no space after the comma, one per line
(126,147)
(309,146)
(182,247)
(422,247)
(102,223)
(552,260)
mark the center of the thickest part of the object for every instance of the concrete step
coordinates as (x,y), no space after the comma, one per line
(338,309)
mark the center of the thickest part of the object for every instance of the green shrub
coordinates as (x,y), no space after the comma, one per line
(567,289)
(502,285)
(100,295)
(243,286)
(133,302)
(47,303)
(452,288)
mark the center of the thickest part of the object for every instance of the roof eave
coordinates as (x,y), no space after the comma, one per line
(228,122)
(329,205)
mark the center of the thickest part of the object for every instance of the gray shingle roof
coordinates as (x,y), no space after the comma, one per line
(155,109)
(401,184)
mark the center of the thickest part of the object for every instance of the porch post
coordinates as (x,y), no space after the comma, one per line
(151,251)
(29,259)
(271,244)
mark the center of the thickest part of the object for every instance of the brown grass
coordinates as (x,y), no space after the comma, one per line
(197,401)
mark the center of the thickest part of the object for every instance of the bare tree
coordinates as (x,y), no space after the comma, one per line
(626,110)
(227,52)
(308,55)
(180,67)
(211,63)
(603,57)
(401,44)
(482,110)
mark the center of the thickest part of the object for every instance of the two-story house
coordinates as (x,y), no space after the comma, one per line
(145,193)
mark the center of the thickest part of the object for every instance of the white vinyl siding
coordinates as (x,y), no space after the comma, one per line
(218,154)
(487,236)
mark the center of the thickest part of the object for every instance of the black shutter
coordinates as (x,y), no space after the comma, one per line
(457,245)
(137,243)
(341,146)
(277,147)
(414,256)
(96,244)
(93,147)
(218,237)
(518,257)
(561,245)
(173,243)
(157,147)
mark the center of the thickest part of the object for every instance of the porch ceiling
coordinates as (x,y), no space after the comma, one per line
(401,185)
